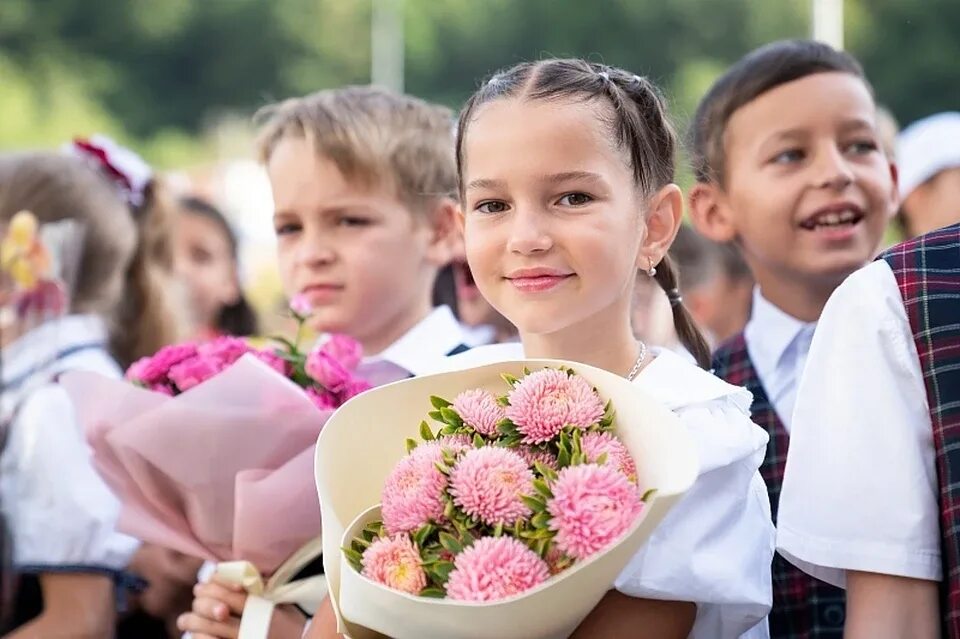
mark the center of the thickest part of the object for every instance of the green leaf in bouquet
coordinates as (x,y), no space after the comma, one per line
(435,415)
(601,459)
(509,379)
(542,488)
(448,457)
(506,427)
(434,592)
(425,433)
(526,371)
(440,571)
(355,558)
(411,445)
(467,538)
(423,533)
(545,471)
(534,504)
(647,495)
(576,448)
(451,417)
(478,441)
(291,347)
(498,529)
(503,400)
(443,468)
(439,402)
(449,510)
(541,546)
(447,430)
(540,520)
(450,542)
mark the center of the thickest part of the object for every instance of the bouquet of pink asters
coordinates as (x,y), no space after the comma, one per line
(209,448)
(509,513)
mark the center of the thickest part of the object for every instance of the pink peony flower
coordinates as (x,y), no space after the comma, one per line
(353,388)
(395,562)
(193,371)
(154,369)
(344,349)
(479,410)
(495,568)
(595,444)
(322,399)
(274,361)
(226,350)
(163,389)
(487,483)
(413,491)
(547,400)
(592,507)
(328,372)
(531,455)
(301,305)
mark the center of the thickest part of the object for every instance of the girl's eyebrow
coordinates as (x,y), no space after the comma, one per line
(553,178)
(486,183)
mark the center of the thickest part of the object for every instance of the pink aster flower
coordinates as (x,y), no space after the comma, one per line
(495,568)
(547,400)
(479,410)
(330,373)
(592,507)
(154,369)
(488,483)
(531,455)
(595,444)
(395,562)
(413,491)
(193,371)
(456,444)
(344,349)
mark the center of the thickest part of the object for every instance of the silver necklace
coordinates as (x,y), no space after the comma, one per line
(636,365)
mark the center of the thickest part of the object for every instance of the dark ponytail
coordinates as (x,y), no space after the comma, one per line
(690,336)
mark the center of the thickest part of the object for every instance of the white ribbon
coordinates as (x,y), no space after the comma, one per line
(264,597)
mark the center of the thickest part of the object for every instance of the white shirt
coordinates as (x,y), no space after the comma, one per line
(778,344)
(860,491)
(421,349)
(715,547)
(60,513)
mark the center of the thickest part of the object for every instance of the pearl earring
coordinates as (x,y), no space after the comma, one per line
(652,271)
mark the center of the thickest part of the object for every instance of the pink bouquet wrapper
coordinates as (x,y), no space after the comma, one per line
(223,471)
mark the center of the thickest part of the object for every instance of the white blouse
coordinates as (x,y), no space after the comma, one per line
(715,547)
(60,513)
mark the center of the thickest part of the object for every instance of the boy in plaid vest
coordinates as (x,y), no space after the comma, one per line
(790,167)
(871,489)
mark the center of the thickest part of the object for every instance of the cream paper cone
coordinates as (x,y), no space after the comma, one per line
(363,441)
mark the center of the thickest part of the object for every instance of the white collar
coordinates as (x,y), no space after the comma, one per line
(41,346)
(421,348)
(770,333)
(671,378)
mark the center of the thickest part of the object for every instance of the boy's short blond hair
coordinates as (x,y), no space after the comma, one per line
(374,136)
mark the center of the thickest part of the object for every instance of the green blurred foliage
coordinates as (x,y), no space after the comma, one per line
(161,74)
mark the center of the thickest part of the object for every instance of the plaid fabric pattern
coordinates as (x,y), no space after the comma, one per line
(928,275)
(803,607)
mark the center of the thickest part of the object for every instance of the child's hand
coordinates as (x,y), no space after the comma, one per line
(216,610)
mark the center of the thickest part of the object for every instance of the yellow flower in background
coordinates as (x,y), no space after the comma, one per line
(22,255)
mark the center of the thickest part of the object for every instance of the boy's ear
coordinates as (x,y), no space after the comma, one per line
(443,232)
(710,214)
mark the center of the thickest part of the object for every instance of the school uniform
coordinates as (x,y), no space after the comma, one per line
(60,514)
(767,359)
(871,482)
(714,548)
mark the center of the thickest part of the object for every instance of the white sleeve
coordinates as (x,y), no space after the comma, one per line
(715,547)
(860,486)
(62,516)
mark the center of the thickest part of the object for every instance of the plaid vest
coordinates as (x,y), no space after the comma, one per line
(927,270)
(803,607)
